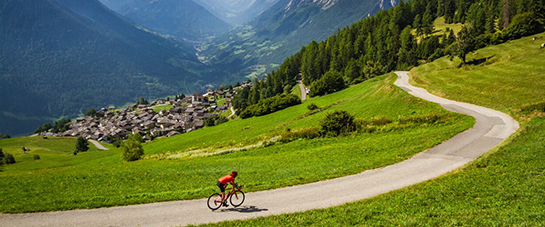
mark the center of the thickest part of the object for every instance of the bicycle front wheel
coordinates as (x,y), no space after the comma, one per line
(237,198)
(214,201)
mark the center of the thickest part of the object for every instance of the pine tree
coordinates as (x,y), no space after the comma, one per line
(427,24)
(417,24)
(505,14)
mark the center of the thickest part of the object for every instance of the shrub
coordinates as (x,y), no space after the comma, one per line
(336,123)
(91,112)
(9,159)
(2,155)
(270,105)
(331,82)
(312,106)
(132,148)
(523,24)
(114,140)
(307,133)
(36,157)
(4,136)
(82,145)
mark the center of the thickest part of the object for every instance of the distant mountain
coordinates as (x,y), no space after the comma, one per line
(281,31)
(237,12)
(183,19)
(60,57)
(115,4)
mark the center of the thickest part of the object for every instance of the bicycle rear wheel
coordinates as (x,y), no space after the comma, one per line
(214,201)
(237,198)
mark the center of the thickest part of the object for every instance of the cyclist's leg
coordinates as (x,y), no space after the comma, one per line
(222,189)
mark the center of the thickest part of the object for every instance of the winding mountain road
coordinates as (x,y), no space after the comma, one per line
(490,129)
(303,90)
(98,145)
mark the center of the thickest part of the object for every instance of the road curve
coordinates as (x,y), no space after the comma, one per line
(303,90)
(490,129)
(98,145)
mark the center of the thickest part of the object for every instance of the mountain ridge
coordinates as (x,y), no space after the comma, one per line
(59,59)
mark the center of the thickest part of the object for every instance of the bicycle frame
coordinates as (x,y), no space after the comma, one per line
(232,191)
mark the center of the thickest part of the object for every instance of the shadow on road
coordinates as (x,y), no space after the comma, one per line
(245,209)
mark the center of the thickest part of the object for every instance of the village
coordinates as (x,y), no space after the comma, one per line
(162,117)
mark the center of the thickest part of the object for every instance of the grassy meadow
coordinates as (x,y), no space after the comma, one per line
(505,77)
(505,187)
(100,178)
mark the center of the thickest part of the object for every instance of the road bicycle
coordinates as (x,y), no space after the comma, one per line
(235,196)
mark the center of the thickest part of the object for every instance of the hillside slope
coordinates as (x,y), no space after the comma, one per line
(236,12)
(183,19)
(62,57)
(504,187)
(281,31)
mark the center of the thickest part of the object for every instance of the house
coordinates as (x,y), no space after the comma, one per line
(161,101)
(197,97)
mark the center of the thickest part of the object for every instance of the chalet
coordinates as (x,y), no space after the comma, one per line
(197,97)
(161,101)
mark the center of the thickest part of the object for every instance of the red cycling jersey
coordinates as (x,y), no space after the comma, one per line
(226,179)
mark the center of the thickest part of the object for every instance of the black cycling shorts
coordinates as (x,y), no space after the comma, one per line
(221,186)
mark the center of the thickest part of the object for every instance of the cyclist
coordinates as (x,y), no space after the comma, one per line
(222,183)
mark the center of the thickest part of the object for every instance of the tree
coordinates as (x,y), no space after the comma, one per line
(506,16)
(82,145)
(90,112)
(477,18)
(142,101)
(331,82)
(427,24)
(417,24)
(132,148)
(373,69)
(464,43)
(9,159)
(4,136)
(2,156)
(336,123)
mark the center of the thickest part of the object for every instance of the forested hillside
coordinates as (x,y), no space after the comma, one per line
(59,58)
(281,31)
(183,19)
(399,38)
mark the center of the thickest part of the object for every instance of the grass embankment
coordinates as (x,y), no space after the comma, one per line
(504,187)
(107,181)
(505,77)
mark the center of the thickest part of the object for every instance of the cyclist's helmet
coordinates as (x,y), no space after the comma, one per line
(234,173)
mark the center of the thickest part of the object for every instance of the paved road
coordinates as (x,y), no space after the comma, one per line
(491,128)
(232,111)
(98,145)
(303,90)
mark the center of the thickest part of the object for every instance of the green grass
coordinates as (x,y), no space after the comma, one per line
(511,76)
(505,187)
(158,108)
(53,152)
(296,90)
(441,26)
(107,181)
